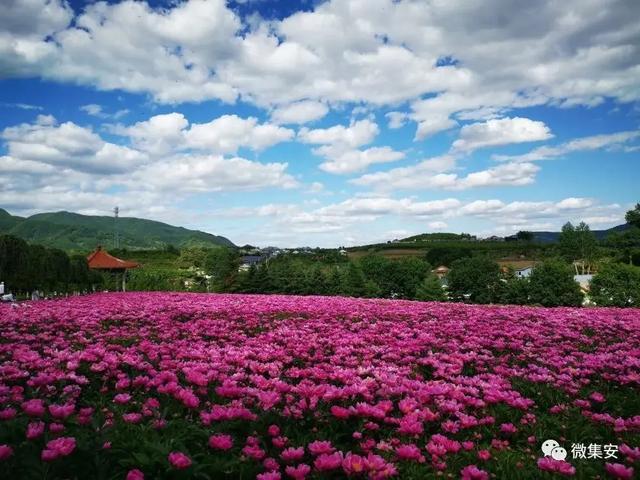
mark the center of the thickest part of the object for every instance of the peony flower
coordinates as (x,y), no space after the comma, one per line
(617,470)
(292,454)
(471,472)
(353,464)
(35,430)
(33,408)
(299,472)
(5,451)
(319,447)
(221,442)
(179,460)
(328,461)
(135,474)
(559,466)
(60,447)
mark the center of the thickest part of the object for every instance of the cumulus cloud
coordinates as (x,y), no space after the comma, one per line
(500,131)
(68,145)
(299,112)
(595,142)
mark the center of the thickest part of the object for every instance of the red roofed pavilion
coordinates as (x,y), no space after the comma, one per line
(101,260)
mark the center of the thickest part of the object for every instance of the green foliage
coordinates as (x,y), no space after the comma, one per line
(577,243)
(430,290)
(616,285)
(395,278)
(445,255)
(222,264)
(551,284)
(626,245)
(475,280)
(633,216)
(515,291)
(524,236)
(25,268)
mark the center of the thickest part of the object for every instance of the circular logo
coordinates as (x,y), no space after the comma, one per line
(548,446)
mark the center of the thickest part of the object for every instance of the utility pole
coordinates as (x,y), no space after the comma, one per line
(116,240)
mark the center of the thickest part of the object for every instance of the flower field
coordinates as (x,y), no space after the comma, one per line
(157,385)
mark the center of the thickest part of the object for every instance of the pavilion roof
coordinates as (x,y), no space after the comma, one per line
(101,260)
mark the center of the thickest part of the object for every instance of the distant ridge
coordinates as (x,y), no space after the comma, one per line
(552,237)
(72,231)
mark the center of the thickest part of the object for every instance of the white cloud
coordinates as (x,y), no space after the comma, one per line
(299,112)
(436,173)
(500,131)
(437,225)
(350,161)
(355,135)
(68,145)
(96,110)
(396,119)
(595,142)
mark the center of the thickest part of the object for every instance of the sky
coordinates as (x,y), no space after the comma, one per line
(323,123)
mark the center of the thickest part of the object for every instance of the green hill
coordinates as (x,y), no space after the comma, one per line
(72,231)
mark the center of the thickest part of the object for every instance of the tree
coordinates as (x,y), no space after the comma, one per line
(446,255)
(524,236)
(515,291)
(578,243)
(476,280)
(627,244)
(616,285)
(551,284)
(633,216)
(222,264)
(430,290)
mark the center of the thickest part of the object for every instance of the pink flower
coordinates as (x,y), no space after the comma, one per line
(298,473)
(340,413)
(5,451)
(484,455)
(319,447)
(328,461)
(617,470)
(61,411)
(35,429)
(559,466)
(273,430)
(122,398)
(132,417)
(269,476)
(597,397)
(179,460)
(270,463)
(633,454)
(508,428)
(221,442)
(33,408)
(7,413)
(409,452)
(60,447)
(292,454)
(135,474)
(471,472)
(353,464)
(56,427)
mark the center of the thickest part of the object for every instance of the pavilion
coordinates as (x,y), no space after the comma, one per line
(101,260)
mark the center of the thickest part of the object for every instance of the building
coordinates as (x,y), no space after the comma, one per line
(441,271)
(99,259)
(248,260)
(520,268)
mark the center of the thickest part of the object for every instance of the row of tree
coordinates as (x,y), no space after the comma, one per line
(25,268)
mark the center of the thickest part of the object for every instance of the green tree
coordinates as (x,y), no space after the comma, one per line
(446,255)
(222,264)
(578,244)
(515,291)
(633,216)
(475,280)
(551,284)
(524,236)
(616,285)
(430,289)
(626,244)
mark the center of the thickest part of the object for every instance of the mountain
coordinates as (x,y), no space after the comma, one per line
(72,231)
(552,237)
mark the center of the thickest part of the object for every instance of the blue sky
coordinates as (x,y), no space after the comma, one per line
(323,123)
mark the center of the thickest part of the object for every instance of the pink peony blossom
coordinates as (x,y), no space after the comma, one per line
(179,460)
(471,472)
(5,451)
(221,442)
(135,474)
(617,470)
